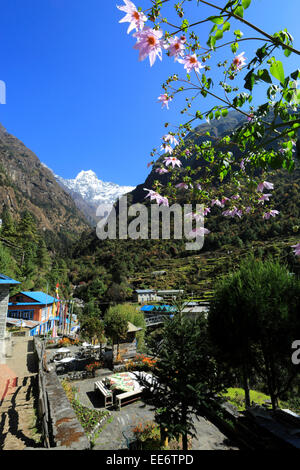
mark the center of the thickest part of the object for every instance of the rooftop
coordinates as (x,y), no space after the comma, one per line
(39,298)
(7,280)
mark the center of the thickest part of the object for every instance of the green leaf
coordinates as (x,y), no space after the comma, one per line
(276,69)
(246,3)
(239,11)
(238,33)
(185,25)
(264,75)
(295,75)
(219,34)
(287,52)
(234,47)
(250,80)
(211,42)
(226,26)
(217,19)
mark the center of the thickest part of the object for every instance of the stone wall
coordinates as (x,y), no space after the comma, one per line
(4,296)
(66,431)
(61,428)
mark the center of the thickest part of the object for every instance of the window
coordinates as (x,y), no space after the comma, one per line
(21,314)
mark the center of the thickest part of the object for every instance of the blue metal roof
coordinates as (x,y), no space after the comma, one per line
(158,308)
(7,280)
(147,308)
(40,297)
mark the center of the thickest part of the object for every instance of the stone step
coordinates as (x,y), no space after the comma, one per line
(17,413)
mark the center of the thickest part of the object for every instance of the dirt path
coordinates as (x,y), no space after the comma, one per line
(17,397)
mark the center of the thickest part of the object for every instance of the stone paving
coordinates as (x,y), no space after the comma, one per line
(112,437)
(17,414)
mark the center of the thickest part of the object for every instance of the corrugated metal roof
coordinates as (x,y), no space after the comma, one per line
(7,280)
(25,323)
(158,308)
(40,297)
(147,308)
(144,291)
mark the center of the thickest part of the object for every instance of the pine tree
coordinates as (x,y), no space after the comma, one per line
(8,228)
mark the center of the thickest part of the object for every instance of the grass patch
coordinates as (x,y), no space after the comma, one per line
(236,396)
(87,417)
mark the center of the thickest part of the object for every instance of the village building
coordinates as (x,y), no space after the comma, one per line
(190,309)
(158,309)
(127,347)
(31,310)
(155,295)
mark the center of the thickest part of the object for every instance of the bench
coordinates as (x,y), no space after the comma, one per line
(107,394)
(128,397)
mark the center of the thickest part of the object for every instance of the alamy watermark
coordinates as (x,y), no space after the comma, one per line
(296,354)
(157,222)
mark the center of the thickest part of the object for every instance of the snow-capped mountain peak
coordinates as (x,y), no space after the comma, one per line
(92,189)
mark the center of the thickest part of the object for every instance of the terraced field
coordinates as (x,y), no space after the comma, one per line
(199,273)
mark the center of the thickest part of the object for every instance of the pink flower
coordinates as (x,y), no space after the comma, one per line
(198,216)
(242,164)
(206,211)
(239,61)
(153,195)
(164,201)
(176,46)
(182,186)
(264,184)
(149,43)
(269,214)
(161,171)
(263,198)
(297,249)
(233,212)
(172,161)
(167,148)
(191,62)
(164,100)
(200,232)
(136,18)
(224,200)
(170,138)
(216,202)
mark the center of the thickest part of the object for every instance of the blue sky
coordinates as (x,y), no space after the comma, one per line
(77,95)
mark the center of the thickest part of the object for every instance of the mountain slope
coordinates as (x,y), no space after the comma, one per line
(228,242)
(26,184)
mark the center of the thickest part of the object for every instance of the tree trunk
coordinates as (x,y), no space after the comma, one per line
(246,386)
(164,441)
(184,435)
(184,441)
(269,376)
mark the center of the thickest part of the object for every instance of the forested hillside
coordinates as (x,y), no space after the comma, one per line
(110,270)
(27,185)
